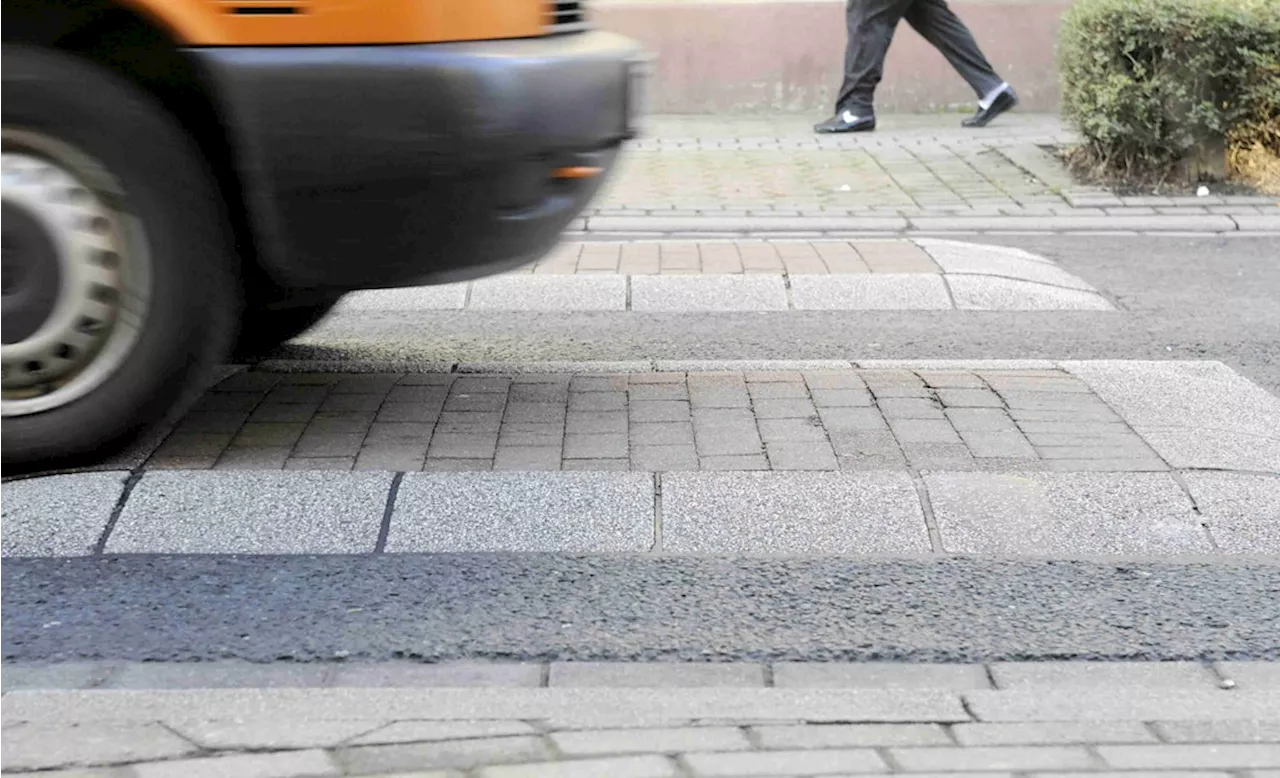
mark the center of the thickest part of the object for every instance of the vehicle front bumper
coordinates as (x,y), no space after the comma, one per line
(382,166)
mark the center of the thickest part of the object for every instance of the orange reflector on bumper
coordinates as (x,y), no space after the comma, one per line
(576,172)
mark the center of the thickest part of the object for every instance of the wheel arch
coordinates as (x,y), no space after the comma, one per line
(124,38)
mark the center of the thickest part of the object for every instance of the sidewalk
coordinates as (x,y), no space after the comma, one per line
(602,720)
(738,175)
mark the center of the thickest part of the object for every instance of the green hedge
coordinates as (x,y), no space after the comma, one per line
(1147,81)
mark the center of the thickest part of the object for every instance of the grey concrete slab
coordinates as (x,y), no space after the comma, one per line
(58,515)
(955,364)
(1042,514)
(1125,704)
(879,675)
(871,292)
(436,675)
(214,675)
(555,367)
(270,734)
(581,705)
(676,675)
(1243,511)
(1103,675)
(252,512)
(1262,676)
(567,512)
(792,513)
(971,259)
(549,293)
(418,298)
(748,365)
(942,246)
(46,745)
(1194,414)
(989,293)
(57,675)
(708,293)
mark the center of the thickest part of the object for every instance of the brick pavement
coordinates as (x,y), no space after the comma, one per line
(719,168)
(669,421)
(1034,720)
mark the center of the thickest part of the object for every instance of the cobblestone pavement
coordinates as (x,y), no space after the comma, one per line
(914,166)
(1176,720)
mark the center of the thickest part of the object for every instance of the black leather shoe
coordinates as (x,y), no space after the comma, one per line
(1002,102)
(845,121)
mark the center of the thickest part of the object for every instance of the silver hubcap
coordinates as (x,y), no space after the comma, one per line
(77,274)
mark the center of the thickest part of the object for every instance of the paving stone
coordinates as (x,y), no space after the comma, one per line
(444,465)
(740,462)
(268,434)
(841,398)
(221,674)
(708,293)
(993,758)
(923,431)
(855,419)
(43,746)
(527,458)
(986,293)
(507,675)
(658,391)
(726,432)
(769,513)
(291,764)
(269,734)
(874,292)
(596,422)
(453,445)
(426,731)
(969,398)
(1240,731)
(662,433)
(674,675)
(1064,513)
(1194,414)
(555,391)
(462,754)
(60,515)
(267,458)
(910,408)
(605,446)
(1132,703)
(284,412)
(664,458)
(771,763)
(1053,733)
(593,465)
(1243,511)
(650,740)
(784,409)
(411,412)
(549,293)
(1102,674)
(1253,675)
(879,675)
(659,410)
(785,389)
(328,444)
(248,512)
(812,736)
(1187,756)
(1001,444)
(392,456)
(832,380)
(804,455)
(802,430)
(593,512)
(649,766)
(969,259)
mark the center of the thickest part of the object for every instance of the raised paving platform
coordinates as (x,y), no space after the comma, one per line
(760,275)
(1159,458)
(1176,720)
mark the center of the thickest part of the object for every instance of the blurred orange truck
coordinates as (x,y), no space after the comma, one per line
(191,180)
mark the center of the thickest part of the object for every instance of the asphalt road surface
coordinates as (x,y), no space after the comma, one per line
(1180,298)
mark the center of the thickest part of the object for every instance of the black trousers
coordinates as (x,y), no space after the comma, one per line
(871,25)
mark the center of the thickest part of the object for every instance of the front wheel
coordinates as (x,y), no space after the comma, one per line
(118,294)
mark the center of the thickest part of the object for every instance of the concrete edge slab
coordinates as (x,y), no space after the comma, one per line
(443,704)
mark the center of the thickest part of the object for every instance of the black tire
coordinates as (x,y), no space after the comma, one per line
(263,329)
(167,187)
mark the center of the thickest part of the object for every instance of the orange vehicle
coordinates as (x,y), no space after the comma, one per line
(187,180)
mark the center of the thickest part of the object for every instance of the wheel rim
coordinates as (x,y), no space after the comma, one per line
(76,274)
